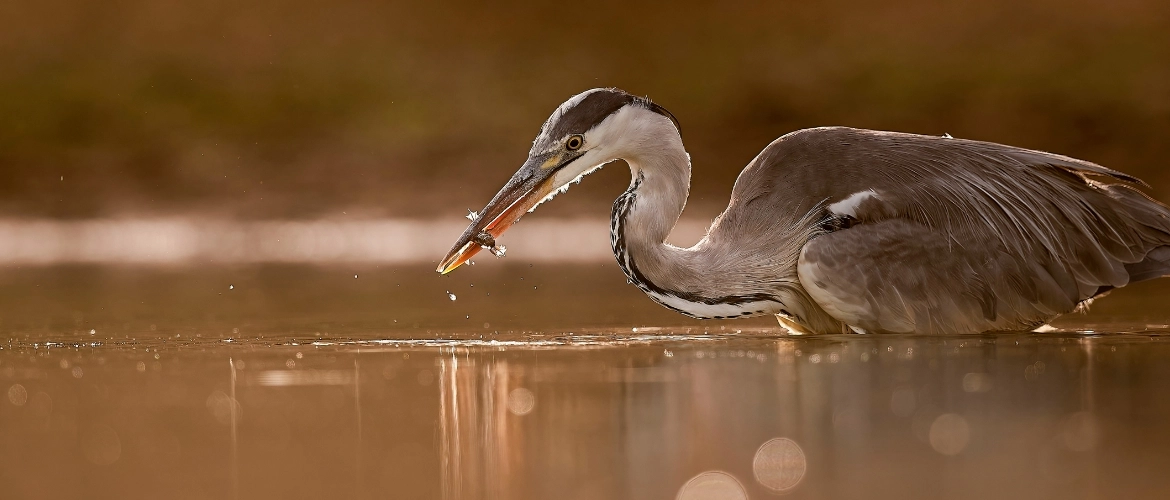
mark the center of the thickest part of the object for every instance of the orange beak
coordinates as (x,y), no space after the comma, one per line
(523,191)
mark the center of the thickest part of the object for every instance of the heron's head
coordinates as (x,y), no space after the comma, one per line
(589,130)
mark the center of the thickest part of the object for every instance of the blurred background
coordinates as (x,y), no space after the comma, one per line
(296,109)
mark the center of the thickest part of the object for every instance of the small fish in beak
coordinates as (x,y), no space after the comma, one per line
(527,187)
(485,240)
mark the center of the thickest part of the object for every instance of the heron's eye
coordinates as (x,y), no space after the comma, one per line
(574,143)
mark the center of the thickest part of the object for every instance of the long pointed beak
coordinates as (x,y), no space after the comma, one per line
(523,191)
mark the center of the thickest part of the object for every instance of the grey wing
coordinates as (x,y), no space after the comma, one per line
(900,276)
(937,234)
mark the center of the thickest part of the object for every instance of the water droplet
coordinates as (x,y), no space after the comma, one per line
(231,287)
(355,276)
(92,331)
(450,295)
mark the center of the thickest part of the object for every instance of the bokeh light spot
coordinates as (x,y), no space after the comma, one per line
(521,401)
(17,394)
(976,382)
(425,377)
(221,405)
(101,445)
(949,434)
(712,485)
(902,402)
(779,465)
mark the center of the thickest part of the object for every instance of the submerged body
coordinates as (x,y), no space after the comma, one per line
(847,230)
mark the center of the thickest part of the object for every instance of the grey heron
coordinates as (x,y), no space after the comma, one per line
(838,230)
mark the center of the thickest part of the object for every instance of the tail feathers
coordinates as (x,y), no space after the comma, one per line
(1155,265)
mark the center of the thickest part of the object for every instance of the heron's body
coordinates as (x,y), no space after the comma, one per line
(839,229)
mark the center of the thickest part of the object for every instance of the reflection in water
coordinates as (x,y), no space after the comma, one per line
(601,416)
(1081,431)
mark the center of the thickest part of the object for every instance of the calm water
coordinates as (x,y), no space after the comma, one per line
(297,382)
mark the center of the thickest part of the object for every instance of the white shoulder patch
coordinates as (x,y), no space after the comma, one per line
(848,206)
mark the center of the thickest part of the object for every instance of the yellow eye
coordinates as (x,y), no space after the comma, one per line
(574,143)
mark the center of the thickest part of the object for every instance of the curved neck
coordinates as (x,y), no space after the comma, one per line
(721,276)
(644,216)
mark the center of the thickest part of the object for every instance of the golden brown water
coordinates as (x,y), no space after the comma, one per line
(301,382)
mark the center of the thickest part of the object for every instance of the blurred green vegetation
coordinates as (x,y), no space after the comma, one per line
(308,109)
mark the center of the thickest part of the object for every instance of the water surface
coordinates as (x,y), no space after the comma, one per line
(298,382)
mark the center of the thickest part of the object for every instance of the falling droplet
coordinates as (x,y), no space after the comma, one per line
(355,276)
(231,287)
(450,295)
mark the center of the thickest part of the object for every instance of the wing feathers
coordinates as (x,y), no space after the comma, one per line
(967,235)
